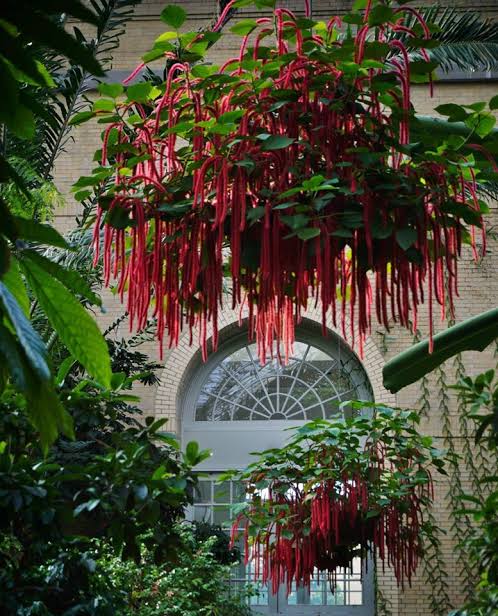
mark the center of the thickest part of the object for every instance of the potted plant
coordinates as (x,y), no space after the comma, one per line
(338,490)
(290,170)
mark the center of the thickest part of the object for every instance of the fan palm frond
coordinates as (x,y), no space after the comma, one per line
(489,190)
(73,83)
(467,40)
(80,255)
(43,198)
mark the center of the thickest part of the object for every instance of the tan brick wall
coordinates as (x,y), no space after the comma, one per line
(478,282)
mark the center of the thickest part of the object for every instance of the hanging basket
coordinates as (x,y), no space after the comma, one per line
(289,171)
(338,491)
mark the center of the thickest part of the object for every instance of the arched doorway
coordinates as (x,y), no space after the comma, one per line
(234,406)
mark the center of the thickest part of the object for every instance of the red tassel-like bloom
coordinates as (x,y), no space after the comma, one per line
(295,181)
(323,501)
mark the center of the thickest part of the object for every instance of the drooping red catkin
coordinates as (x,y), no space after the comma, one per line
(334,514)
(173,266)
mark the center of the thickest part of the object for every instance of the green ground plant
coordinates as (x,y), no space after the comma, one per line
(115,493)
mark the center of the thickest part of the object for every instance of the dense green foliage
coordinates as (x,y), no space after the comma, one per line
(44,68)
(195,585)
(94,526)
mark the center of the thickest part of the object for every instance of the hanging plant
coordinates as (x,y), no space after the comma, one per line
(290,170)
(337,491)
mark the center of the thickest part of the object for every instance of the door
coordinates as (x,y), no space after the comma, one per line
(233,406)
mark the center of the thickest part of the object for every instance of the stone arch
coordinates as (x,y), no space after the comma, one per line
(180,361)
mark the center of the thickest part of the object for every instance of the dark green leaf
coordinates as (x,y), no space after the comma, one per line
(48,415)
(154,54)
(11,353)
(103,104)
(9,226)
(481,123)
(192,452)
(255,213)
(4,257)
(421,67)
(119,218)
(30,341)
(64,370)
(308,233)
(32,231)
(231,116)
(75,327)
(174,15)
(22,122)
(247,163)
(276,142)
(406,237)
(69,278)
(375,50)
(453,111)
(81,117)
(139,92)
(380,14)
(113,90)
(244,27)
(13,280)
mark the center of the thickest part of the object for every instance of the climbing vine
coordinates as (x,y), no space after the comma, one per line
(434,570)
(461,525)
(423,403)
(472,460)
(383,605)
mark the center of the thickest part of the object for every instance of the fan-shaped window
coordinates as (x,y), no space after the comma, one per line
(233,405)
(311,385)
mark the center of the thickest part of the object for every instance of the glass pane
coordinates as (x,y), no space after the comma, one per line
(203,491)
(223,410)
(202,513)
(355,598)
(221,515)
(347,591)
(241,414)
(315,412)
(238,492)
(204,411)
(222,492)
(337,597)
(215,509)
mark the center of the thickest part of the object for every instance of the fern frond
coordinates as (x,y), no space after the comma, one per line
(43,196)
(467,40)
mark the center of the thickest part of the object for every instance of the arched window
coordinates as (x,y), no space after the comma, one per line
(311,385)
(233,405)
